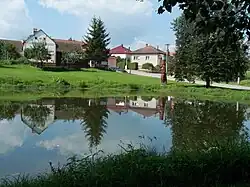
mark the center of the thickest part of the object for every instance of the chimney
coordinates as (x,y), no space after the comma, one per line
(122,45)
(157,46)
(34,30)
(146,45)
(70,39)
(128,48)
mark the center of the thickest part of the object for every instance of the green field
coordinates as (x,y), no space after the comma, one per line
(21,80)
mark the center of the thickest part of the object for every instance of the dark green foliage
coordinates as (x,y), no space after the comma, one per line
(8,51)
(225,165)
(148,66)
(94,121)
(202,56)
(229,16)
(133,66)
(97,40)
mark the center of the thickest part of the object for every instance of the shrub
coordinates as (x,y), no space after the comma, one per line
(121,65)
(133,66)
(60,82)
(148,66)
(157,68)
(21,60)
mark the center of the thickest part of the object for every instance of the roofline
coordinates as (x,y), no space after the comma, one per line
(43,32)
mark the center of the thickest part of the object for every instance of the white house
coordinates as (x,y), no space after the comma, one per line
(55,46)
(41,36)
(121,51)
(147,54)
(140,103)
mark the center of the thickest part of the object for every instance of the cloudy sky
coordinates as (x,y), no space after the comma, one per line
(129,22)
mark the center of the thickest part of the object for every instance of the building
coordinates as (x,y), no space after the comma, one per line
(147,54)
(55,46)
(121,51)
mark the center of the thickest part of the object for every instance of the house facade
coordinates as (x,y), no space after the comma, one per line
(147,54)
(55,46)
(121,51)
(40,36)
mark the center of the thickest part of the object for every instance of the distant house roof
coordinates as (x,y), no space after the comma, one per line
(120,50)
(148,49)
(17,43)
(69,45)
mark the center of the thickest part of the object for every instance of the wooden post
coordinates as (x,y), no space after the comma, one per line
(163,70)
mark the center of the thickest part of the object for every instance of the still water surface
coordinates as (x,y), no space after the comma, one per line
(34,133)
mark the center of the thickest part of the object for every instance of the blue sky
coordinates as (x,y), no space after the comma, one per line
(129,22)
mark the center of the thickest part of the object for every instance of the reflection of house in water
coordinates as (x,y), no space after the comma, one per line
(34,119)
(117,105)
(145,108)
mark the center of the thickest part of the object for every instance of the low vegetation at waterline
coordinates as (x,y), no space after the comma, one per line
(222,165)
(23,78)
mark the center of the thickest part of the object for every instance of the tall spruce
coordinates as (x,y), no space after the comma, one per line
(97,40)
(203,57)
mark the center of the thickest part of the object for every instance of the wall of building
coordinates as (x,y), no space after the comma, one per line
(146,58)
(143,104)
(42,37)
(122,55)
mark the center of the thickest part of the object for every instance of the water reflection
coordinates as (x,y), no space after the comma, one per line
(76,125)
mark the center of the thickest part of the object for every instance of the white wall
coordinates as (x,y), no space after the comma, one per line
(40,36)
(122,55)
(143,104)
(146,58)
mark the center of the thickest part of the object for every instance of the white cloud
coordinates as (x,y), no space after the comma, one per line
(124,19)
(14,19)
(12,135)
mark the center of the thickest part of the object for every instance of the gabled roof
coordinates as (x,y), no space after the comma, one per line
(148,49)
(147,112)
(69,45)
(17,43)
(120,50)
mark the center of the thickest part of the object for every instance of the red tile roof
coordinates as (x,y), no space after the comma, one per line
(69,45)
(148,49)
(120,50)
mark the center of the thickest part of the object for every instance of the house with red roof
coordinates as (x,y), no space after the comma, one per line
(121,51)
(147,54)
(55,46)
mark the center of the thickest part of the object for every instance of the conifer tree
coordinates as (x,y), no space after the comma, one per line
(97,40)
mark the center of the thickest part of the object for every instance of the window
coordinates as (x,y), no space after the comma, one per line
(44,39)
(35,38)
(147,57)
(136,58)
(145,104)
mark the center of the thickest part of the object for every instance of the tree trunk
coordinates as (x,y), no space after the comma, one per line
(207,82)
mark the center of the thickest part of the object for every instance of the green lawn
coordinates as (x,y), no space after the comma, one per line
(18,79)
(28,73)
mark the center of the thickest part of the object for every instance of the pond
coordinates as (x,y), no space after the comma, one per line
(34,133)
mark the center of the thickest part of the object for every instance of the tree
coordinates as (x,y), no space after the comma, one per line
(71,57)
(202,56)
(230,16)
(97,40)
(94,122)
(8,51)
(38,51)
(198,124)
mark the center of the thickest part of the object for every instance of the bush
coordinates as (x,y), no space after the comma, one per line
(133,66)
(21,60)
(157,68)
(148,66)
(121,65)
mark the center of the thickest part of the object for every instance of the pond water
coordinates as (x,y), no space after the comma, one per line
(36,132)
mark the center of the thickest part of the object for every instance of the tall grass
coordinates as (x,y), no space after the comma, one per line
(222,165)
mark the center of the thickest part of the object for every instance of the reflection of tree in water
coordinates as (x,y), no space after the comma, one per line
(94,121)
(196,124)
(36,115)
(8,110)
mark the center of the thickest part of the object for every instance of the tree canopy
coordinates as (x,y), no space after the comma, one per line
(38,51)
(229,16)
(200,55)
(97,40)
(8,51)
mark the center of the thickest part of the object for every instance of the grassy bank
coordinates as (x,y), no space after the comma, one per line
(219,166)
(17,79)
